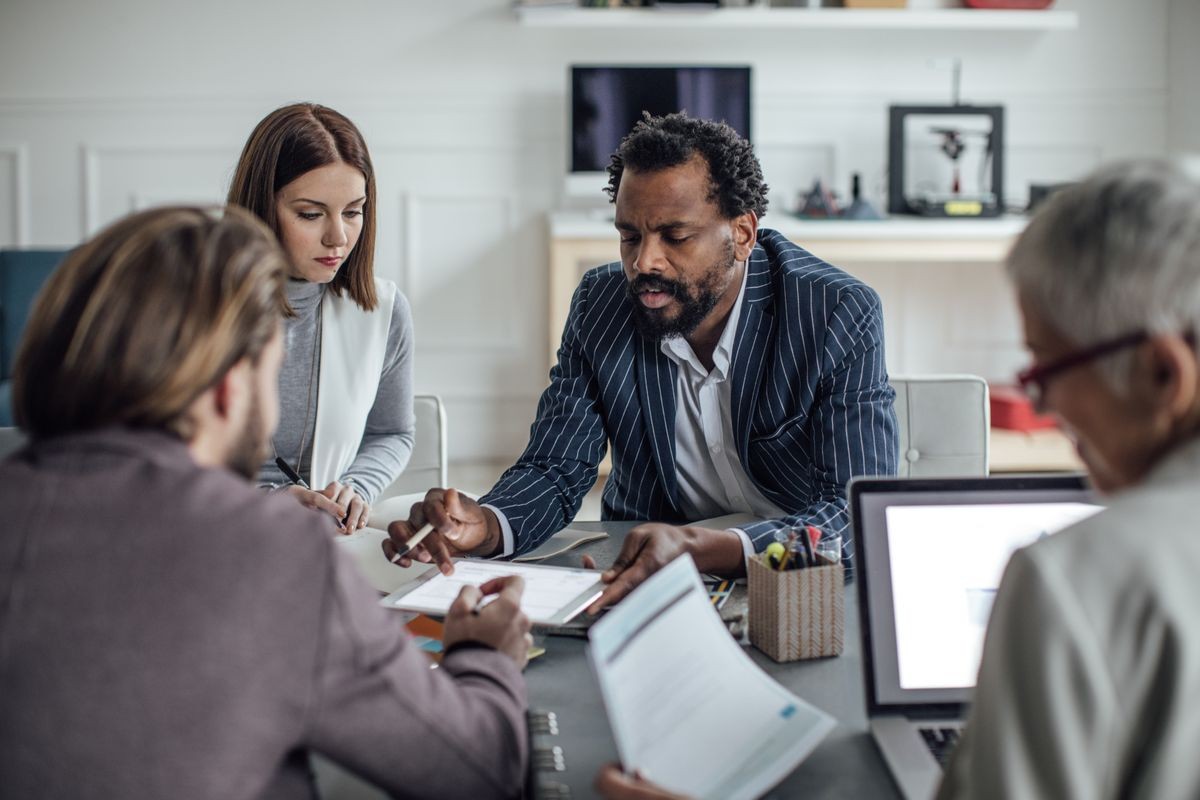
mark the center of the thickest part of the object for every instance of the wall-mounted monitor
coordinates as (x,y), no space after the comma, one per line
(606,101)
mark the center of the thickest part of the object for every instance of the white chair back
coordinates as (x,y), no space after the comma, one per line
(427,466)
(944,424)
(426,469)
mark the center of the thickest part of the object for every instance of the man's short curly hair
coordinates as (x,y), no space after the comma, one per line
(657,143)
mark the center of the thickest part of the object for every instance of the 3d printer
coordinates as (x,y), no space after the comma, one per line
(946,161)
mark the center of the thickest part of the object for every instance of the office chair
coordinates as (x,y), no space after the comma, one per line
(943,425)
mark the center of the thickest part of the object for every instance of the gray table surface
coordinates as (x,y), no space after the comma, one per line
(845,765)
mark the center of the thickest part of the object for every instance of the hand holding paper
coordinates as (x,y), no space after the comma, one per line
(613,784)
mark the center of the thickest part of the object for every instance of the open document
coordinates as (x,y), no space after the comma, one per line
(688,708)
(552,596)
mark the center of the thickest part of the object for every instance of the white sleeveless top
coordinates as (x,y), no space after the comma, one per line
(353,348)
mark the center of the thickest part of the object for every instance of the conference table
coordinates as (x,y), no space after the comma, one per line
(846,764)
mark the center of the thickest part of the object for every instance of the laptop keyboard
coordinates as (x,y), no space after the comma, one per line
(940,741)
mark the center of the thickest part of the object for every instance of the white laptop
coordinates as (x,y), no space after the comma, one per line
(929,554)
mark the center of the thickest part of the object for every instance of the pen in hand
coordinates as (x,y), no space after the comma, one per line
(296,480)
(290,473)
(408,546)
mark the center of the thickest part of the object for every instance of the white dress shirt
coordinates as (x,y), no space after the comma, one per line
(709,473)
(711,479)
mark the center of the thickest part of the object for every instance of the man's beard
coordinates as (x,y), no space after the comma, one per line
(696,300)
(250,449)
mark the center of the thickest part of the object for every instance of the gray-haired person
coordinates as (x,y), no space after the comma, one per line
(1092,661)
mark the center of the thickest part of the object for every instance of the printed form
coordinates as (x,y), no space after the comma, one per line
(547,589)
(675,685)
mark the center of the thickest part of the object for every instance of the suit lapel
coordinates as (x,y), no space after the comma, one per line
(750,349)
(656,390)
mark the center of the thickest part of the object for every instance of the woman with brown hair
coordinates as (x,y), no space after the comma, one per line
(345,388)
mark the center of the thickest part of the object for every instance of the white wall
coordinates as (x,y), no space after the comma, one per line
(105,107)
(1183,48)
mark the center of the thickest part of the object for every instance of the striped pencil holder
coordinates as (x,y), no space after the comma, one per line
(797,613)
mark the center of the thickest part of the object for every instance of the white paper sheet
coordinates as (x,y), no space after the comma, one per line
(688,708)
(547,589)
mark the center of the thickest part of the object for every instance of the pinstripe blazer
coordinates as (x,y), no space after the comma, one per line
(811,403)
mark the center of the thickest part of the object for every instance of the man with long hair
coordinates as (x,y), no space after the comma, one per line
(165,629)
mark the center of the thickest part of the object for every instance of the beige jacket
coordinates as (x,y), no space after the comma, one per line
(1090,680)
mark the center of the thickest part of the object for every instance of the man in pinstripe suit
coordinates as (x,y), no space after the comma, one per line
(729,369)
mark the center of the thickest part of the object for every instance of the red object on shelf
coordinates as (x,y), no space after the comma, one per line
(1028,5)
(1012,410)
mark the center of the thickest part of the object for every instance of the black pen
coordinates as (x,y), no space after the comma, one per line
(810,559)
(296,480)
(290,473)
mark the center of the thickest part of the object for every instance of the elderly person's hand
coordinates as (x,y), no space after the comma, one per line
(613,784)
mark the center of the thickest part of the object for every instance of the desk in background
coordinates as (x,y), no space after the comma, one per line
(1046,450)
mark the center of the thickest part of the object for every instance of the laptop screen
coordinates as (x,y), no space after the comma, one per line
(931,554)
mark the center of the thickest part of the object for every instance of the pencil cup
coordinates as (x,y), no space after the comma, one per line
(797,613)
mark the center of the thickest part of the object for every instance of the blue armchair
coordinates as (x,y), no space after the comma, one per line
(22,273)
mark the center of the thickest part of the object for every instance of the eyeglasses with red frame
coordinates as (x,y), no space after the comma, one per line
(1033,380)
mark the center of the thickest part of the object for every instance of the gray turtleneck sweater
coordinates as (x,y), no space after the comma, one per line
(388,438)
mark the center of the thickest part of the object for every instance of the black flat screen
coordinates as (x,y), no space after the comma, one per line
(607,101)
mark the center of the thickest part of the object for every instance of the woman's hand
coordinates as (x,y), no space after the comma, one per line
(355,509)
(318,501)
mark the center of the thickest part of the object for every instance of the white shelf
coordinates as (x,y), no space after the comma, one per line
(582,238)
(583,225)
(955,19)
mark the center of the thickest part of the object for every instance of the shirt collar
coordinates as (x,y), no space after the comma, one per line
(678,350)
